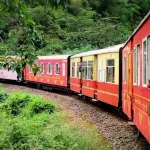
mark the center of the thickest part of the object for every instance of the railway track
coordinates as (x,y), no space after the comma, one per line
(115,130)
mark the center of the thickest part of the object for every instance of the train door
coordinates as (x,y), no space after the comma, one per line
(80,74)
(130,85)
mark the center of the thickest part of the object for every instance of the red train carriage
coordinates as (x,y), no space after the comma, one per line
(54,71)
(96,74)
(136,77)
(75,76)
(84,73)
(109,75)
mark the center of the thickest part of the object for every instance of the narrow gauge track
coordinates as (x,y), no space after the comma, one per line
(114,129)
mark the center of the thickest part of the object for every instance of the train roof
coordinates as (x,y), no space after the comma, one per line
(111,49)
(53,57)
(138,27)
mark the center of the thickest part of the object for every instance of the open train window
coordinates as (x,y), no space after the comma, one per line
(42,68)
(136,64)
(110,70)
(73,69)
(49,68)
(57,68)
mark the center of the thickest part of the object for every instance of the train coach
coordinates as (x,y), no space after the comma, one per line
(9,75)
(97,74)
(54,71)
(136,77)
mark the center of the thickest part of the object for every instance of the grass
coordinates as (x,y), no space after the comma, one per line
(29,122)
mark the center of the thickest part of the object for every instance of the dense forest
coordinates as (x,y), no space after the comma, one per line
(76,26)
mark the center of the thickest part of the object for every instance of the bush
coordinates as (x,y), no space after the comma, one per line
(16,103)
(37,124)
(39,105)
(26,104)
(3,95)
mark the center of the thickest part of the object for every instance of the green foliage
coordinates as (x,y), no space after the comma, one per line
(3,95)
(38,106)
(29,122)
(20,34)
(78,50)
(37,27)
(17,102)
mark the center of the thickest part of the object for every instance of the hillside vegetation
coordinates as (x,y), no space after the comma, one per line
(81,26)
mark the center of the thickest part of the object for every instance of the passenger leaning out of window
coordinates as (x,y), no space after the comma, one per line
(148,84)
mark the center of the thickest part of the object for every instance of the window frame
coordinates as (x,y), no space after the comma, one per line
(136,61)
(144,40)
(42,68)
(148,56)
(55,68)
(87,66)
(83,71)
(110,67)
(134,66)
(29,69)
(73,65)
(50,73)
(125,70)
(77,73)
(139,66)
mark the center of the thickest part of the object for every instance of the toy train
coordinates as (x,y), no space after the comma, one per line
(118,75)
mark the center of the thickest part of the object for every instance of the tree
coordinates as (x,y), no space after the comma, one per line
(30,38)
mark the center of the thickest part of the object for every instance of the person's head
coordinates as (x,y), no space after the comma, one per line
(149,80)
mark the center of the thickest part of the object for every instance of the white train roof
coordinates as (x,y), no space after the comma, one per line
(111,49)
(53,57)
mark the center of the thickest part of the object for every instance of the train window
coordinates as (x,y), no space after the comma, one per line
(101,71)
(87,72)
(63,69)
(148,58)
(30,69)
(73,69)
(49,68)
(110,70)
(77,69)
(144,62)
(90,70)
(136,63)
(84,71)
(57,68)
(125,67)
(42,68)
